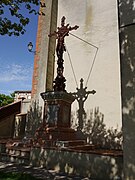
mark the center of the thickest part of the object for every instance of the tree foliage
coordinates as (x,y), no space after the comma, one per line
(13,18)
(34,119)
(6,99)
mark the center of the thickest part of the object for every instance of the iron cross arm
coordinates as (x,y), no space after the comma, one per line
(91,92)
(63,30)
(61,33)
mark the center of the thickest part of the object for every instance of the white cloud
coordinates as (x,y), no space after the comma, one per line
(15,72)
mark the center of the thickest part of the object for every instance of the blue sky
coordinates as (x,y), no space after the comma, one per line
(16,62)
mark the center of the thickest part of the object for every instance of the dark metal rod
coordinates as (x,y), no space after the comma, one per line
(84,40)
(72,66)
(91,67)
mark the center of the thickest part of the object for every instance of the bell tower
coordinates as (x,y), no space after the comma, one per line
(45,48)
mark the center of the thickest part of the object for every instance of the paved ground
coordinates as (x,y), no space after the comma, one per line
(40,173)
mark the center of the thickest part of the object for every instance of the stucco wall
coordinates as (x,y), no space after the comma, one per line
(25,106)
(19,127)
(98,25)
(91,165)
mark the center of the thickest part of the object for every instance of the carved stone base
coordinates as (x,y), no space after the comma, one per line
(57,133)
(49,136)
(57,111)
(57,120)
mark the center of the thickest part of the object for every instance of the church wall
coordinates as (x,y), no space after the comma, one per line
(44,57)
(98,24)
(127,45)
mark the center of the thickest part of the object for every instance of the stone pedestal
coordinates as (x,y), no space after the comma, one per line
(57,113)
(57,108)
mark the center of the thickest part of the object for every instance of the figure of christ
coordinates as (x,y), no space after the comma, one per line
(60,34)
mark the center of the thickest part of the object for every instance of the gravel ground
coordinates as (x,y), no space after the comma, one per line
(40,173)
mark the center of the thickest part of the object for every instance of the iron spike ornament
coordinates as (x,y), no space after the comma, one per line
(60,34)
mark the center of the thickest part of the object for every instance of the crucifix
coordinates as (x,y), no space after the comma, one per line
(60,34)
(81,95)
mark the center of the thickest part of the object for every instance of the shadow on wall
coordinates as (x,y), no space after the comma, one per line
(91,165)
(96,132)
(34,119)
(127,46)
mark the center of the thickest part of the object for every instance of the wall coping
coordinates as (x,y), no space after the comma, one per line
(102,152)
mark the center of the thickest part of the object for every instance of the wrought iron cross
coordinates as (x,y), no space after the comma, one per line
(81,95)
(60,34)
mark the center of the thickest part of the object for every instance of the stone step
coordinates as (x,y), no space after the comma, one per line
(73,143)
(13,151)
(18,152)
(83,147)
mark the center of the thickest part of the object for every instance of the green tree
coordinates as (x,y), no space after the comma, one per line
(6,99)
(13,16)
